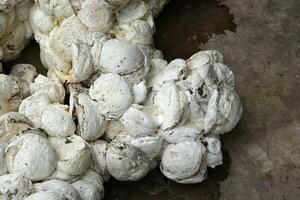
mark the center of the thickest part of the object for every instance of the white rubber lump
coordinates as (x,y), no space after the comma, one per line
(109,105)
(15,29)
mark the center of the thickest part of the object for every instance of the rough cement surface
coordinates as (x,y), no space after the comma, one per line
(264,54)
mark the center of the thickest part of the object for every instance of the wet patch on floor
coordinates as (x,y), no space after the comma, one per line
(183,26)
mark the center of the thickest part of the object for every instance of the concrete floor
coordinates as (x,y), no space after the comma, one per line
(260,40)
(264,54)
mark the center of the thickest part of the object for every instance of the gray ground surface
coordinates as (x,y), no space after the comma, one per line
(264,54)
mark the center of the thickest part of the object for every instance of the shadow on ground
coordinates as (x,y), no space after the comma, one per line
(183,26)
